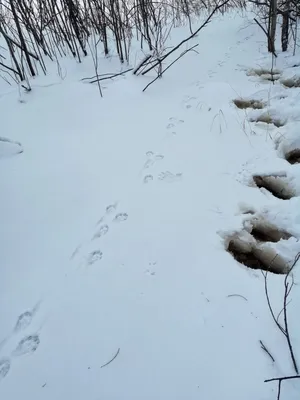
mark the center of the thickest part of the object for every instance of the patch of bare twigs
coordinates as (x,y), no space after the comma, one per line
(35,30)
(283,326)
(268,13)
(280,380)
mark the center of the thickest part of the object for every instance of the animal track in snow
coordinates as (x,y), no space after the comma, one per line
(121,217)
(211,73)
(89,255)
(111,208)
(148,178)
(189,101)
(9,148)
(152,159)
(4,368)
(221,63)
(27,345)
(101,231)
(169,177)
(173,122)
(23,321)
(75,252)
(94,256)
(149,272)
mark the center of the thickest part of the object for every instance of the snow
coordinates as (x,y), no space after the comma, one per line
(114,222)
(9,148)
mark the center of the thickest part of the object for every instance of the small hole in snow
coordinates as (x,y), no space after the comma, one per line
(244,103)
(263,231)
(293,156)
(291,82)
(264,72)
(276,185)
(254,257)
(268,119)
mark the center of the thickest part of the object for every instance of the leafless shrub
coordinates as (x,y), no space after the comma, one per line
(283,326)
(37,29)
(269,12)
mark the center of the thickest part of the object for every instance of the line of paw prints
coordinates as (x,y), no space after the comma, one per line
(152,159)
(27,345)
(103,228)
(190,102)
(167,176)
(151,271)
(173,124)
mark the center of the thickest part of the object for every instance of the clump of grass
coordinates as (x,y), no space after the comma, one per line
(244,103)
(293,156)
(265,231)
(268,119)
(291,82)
(277,185)
(263,71)
(270,78)
(256,257)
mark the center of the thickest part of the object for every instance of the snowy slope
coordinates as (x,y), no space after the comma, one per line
(114,222)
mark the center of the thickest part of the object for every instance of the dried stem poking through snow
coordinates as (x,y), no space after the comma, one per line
(237,295)
(266,350)
(288,285)
(114,357)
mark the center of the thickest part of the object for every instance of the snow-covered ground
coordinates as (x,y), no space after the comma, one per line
(115,217)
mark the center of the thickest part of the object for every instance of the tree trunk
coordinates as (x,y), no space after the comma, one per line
(272,26)
(285,28)
(21,37)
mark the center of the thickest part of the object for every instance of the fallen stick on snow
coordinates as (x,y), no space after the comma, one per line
(161,74)
(114,357)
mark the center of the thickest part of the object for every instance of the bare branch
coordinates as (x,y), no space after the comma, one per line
(114,357)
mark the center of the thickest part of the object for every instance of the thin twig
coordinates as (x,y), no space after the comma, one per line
(161,59)
(265,274)
(142,63)
(162,72)
(111,77)
(279,390)
(278,316)
(114,357)
(283,378)
(266,350)
(237,295)
(286,325)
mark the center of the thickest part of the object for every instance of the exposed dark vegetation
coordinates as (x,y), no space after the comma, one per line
(256,257)
(245,103)
(268,14)
(291,82)
(34,30)
(293,156)
(268,119)
(276,185)
(264,231)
